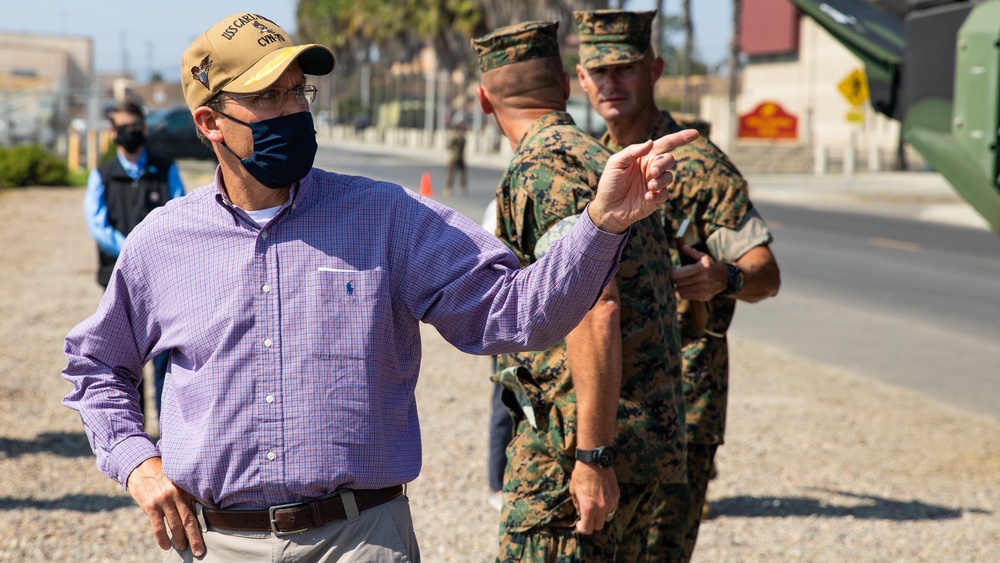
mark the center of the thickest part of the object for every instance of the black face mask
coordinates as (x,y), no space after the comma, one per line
(130,137)
(283,149)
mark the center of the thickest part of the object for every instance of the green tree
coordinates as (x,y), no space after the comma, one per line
(376,33)
(398,28)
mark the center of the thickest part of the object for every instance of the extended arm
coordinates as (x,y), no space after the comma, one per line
(594,351)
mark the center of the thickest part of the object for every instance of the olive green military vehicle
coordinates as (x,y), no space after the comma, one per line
(936,69)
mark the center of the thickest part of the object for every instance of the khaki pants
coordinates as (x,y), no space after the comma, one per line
(382,534)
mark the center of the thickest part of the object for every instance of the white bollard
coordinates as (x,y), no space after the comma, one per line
(874,158)
(819,161)
(850,161)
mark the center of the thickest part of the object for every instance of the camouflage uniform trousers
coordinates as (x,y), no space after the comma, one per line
(457,165)
(687,501)
(632,536)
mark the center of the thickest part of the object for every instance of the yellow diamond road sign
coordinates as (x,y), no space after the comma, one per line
(854,87)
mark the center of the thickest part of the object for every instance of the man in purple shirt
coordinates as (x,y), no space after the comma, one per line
(291,306)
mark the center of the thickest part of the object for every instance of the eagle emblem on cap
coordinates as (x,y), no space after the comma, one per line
(200,72)
(261,28)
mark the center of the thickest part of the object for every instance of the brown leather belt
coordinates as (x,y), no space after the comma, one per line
(293,518)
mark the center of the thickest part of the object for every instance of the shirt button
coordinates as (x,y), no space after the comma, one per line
(266,288)
(269,398)
(267,342)
(271,456)
(263,235)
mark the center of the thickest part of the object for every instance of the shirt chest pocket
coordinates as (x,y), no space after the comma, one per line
(344,320)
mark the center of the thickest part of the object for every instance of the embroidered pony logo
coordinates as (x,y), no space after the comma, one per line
(350,288)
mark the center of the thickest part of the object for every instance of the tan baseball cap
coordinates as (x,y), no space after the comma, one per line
(244,53)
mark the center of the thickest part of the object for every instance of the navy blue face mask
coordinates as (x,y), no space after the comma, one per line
(284,148)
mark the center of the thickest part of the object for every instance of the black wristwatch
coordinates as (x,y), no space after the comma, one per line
(734,282)
(603,456)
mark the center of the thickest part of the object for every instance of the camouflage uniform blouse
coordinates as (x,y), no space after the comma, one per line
(711,191)
(552,176)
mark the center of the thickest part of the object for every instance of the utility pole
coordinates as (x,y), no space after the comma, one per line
(734,66)
(124,46)
(686,59)
(94,121)
(660,29)
(149,62)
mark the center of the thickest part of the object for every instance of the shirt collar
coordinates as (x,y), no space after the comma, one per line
(547,120)
(133,169)
(293,194)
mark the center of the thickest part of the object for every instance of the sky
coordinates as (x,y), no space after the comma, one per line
(140,36)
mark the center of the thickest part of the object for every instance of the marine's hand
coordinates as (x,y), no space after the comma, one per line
(702,280)
(161,500)
(595,496)
(634,182)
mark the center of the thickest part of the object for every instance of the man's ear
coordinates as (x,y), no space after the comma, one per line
(656,69)
(581,76)
(484,100)
(206,122)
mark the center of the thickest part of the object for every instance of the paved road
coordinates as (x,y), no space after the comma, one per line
(911,303)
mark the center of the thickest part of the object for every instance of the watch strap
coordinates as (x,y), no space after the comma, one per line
(603,456)
(587,456)
(734,280)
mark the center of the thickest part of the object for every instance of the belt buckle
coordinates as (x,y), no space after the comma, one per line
(274,521)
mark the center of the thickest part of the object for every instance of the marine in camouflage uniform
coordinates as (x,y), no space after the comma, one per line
(710,191)
(550,180)
(456,160)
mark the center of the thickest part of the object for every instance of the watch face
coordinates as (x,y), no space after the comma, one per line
(606,458)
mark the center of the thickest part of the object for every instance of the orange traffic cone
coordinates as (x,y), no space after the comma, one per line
(425,185)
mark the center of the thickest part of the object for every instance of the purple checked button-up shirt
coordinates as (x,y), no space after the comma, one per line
(295,347)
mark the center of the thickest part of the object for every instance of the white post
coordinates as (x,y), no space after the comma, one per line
(442,100)
(850,161)
(430,80)
(819,161)
(874,158)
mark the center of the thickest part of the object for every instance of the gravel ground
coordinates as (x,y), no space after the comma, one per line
(820,465)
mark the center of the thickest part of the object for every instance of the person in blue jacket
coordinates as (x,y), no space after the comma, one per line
(121,192)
